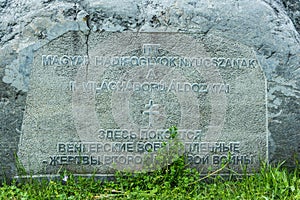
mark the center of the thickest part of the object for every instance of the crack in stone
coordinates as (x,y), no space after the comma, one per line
(87,45)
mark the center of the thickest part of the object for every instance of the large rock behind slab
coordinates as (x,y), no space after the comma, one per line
(293,9)
(263,26)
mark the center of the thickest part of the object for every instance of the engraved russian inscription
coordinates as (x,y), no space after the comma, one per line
(114,108)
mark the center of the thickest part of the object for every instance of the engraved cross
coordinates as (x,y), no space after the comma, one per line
(151,112)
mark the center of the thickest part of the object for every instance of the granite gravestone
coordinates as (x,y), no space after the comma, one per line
(103,85)
(111,107)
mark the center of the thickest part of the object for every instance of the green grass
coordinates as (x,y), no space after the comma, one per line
(173,182)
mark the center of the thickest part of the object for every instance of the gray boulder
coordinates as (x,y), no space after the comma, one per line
(269,28)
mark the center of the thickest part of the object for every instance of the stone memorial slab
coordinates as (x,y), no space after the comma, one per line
(110,107)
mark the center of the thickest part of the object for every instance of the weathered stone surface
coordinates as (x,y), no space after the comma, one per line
(262,26)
